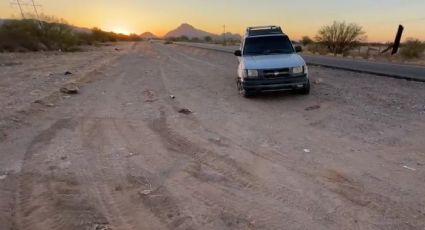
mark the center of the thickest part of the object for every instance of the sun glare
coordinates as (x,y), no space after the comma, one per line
(120,30)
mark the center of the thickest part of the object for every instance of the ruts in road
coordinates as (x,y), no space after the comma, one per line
(160,139)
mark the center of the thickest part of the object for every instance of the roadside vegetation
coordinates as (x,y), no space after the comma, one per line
(340,37)
(51,34)
(206,39)
(349,40)
(413,48)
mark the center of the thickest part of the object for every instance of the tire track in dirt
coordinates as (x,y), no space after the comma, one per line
(234,176)
(47,199)
(355,196)
(130,184)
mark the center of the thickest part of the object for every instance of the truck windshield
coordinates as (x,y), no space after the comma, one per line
(268,45)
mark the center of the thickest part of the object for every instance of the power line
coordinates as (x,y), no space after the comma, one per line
(22,3)
(35,9)
(224,34)
(36,13)
(20,8)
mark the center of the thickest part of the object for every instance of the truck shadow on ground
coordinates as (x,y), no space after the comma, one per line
(275,96)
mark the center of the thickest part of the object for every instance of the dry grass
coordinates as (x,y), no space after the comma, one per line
(413,49)
(32,35)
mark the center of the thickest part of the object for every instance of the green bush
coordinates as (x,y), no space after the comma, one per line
(412,48)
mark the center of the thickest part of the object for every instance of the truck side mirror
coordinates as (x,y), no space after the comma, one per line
(238,53)
(298,49)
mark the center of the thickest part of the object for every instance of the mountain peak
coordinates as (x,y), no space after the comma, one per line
(148,35)
(186,24)
(185,29)
(188,30)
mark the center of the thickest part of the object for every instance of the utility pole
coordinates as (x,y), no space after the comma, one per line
(224,34)
(22,3)
(397,39)
(36,13)
(396,45)
(20,8)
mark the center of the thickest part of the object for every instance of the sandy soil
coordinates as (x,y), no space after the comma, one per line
(119,155)
(28,77)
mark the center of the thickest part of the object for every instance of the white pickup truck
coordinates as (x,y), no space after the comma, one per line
(268,61)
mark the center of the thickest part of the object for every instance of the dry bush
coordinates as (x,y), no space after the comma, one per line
(20,35)
(412,48)
(29,34)
(317,48)
(51,34)
(306,40)
(340,37)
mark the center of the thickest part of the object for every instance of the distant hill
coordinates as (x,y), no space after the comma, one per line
(148,35)
(189,31)
(192,32)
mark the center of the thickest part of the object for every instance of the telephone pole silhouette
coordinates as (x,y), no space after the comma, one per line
(35,9)
(29,3)
(224,34)
(20,8)
(36,13)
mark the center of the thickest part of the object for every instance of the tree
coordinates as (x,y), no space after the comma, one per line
(306,40)
(208,38)
(195,39)
(412,48)
(184,38)
(340,37)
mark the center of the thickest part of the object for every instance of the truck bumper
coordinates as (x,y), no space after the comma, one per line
(275,84)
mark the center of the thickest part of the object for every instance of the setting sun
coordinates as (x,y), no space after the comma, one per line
(161,16)
(119,30)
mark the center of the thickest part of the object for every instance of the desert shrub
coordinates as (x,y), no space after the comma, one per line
(317,48)
(306,40)
(208,39)
(58,36)
(340,37)
(32,35)
(184,38)
(412,48)
(19,34)
(52,34)
(134,37)
(85,38)
(98,35)
(195,39)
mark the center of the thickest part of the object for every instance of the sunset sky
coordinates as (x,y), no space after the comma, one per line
(379,18)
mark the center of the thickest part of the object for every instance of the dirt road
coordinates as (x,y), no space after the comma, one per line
(119,155)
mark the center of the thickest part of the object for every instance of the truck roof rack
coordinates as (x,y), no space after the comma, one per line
(263,30)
